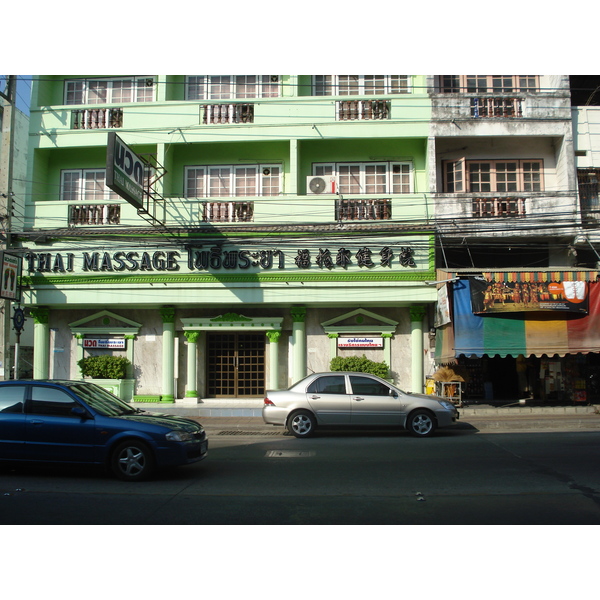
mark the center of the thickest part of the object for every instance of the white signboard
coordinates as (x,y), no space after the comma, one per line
(113,344)
(360,342)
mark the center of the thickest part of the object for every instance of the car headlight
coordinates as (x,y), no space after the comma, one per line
(447,405)
(179,436)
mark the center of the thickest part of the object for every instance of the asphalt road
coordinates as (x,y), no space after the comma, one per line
(339,478)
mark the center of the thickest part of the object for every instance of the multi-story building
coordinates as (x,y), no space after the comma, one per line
(275,222)
(285,220)
(513,237)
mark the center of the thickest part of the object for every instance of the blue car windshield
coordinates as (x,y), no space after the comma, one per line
(101,400)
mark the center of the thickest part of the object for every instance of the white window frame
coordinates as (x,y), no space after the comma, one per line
(205,87)
(81,91)
(333,170)
(79,191)
(204,173)
(462,166)
(358,85)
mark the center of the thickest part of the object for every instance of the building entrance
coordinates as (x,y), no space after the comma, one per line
(235,365)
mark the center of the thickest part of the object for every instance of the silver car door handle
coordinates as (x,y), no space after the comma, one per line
(314,397)
(357,398)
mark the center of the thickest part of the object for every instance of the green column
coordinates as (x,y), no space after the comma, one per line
(192,363)
(298,342)
(273,359)
(168,353)
(333,344)
(41,343)
(387,349)
(417,313)
(130,339)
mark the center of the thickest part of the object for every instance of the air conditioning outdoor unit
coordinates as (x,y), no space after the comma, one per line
(321,184)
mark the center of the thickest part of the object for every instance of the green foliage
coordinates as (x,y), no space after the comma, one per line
(360,364)
(104,367)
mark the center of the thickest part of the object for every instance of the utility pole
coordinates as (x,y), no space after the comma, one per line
(8,113)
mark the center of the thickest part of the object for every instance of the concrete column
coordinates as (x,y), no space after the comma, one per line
(41,343)
(417,313)
(333,342)
(273,336)
(191,392)
(298,342)
(130,340)
(387,349)
(168,353)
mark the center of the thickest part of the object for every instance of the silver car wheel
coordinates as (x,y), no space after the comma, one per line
(132,461)
(421,424)
(301,424)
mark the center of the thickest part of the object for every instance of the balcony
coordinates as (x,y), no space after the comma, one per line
(227,113)
(359,110)
(498,207)
(496,107)
(228,212)
(364,209)
(94,214)
(97,118)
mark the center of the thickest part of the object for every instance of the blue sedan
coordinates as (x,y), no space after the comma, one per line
(79,422)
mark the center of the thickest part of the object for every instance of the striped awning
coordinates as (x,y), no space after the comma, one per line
(541,276)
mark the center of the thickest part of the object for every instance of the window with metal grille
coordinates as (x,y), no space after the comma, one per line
(360,85)
(232,181)
(369,178)
(109,90)
(588,188)
(227,87)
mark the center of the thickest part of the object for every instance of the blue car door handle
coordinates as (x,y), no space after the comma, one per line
(36,422)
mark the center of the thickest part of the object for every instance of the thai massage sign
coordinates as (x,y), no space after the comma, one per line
(227,257)
(527,296)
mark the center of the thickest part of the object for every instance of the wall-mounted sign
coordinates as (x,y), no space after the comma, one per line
(10,271)
(360,342)
(112,344)
(124,171)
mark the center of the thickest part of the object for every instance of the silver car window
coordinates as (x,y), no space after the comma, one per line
(12,398)
(330,384)
(368,387)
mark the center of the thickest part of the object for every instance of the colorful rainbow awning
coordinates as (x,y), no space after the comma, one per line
(520,333)
(540,276)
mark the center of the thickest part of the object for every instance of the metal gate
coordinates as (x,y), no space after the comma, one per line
(235,365)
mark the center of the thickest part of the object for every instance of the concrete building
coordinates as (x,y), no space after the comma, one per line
(285,220)
(513,237)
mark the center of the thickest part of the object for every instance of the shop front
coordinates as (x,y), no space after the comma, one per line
(526,336)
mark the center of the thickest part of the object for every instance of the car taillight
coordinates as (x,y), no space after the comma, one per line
(268,402)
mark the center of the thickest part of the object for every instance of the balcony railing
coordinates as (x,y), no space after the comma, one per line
(94,214)
(363,209)
(97,118)
(227,113)
(496,107)
(358,110)
(498,207)
(228,212)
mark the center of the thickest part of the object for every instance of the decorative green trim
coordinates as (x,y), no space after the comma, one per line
(149,399)
(168,314)
(190,278)
(168,398)
(417,313)
(40,315)
(191,394)
(192,336)
(230,317)
(298,314)
(273,336)
(104,313)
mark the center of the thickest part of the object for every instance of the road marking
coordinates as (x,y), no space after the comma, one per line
(288,454)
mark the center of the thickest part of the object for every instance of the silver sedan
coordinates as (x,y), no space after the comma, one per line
(354,399)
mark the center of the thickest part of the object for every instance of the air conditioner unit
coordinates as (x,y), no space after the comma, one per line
(321,184)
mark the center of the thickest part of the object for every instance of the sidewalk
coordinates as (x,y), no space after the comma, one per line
(245,415)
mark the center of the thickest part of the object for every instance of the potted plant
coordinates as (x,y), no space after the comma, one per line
(359,364)
(109,372)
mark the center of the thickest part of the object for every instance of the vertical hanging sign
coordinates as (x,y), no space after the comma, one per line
(124,171)
(10,272)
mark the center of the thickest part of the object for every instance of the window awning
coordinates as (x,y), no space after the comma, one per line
(518,275)
(521,333)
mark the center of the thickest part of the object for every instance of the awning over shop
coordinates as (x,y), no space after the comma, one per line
(540,276)
(520,333)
